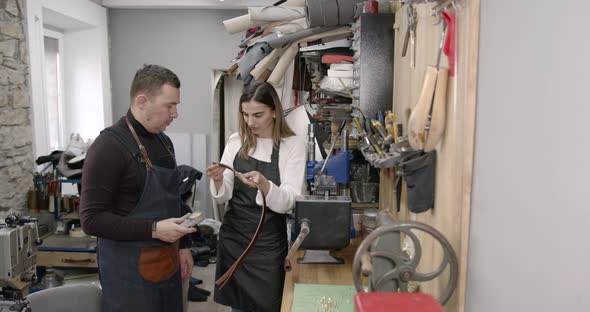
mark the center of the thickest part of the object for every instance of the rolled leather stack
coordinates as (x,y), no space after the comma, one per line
(321,13)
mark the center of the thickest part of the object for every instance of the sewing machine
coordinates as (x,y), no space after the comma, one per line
(19,238)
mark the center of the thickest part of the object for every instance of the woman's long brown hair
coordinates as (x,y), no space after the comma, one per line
(262,92)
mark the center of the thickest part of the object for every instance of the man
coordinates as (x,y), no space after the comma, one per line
(130,201)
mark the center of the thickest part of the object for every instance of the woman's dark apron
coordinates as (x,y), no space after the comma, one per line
(257,285)
(143,275)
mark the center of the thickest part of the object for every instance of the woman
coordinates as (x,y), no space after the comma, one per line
(269,154)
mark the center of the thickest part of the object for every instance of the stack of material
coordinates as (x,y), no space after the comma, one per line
(339,78)
(274,35)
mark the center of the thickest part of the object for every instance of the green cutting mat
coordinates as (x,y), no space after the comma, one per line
(323,298)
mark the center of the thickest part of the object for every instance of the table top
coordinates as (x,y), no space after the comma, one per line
(60,242)
(330,274)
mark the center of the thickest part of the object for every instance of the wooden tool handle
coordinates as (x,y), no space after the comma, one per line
(366,265)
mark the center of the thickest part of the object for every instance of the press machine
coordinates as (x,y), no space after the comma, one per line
(19,239)
(323,219)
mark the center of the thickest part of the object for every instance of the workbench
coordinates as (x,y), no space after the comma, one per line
(331,274)
(60,250)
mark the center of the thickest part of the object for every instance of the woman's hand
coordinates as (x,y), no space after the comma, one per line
(254,177)
(215,172)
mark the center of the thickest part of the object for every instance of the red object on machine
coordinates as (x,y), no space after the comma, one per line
(372,6)
(396,301)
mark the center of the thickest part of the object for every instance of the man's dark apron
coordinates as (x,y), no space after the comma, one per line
(257,285)
(143,275)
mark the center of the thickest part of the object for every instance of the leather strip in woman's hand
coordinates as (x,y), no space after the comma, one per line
(222,281)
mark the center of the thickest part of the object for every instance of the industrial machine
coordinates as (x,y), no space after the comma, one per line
(382,272)
(323,224)
(323,219)
(19,238)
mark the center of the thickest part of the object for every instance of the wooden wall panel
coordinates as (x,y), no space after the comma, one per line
(455,152)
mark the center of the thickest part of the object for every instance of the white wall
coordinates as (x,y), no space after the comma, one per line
(86,66)
(88,98)
(192,43)
(528,248)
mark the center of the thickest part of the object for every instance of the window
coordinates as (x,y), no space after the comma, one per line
(53,85)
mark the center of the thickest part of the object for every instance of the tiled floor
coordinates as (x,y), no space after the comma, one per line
(207,274)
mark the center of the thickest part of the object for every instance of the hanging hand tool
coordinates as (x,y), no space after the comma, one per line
(369,139)
(342,124)
(392,126)
(378,128)
(390,120)
(410,35)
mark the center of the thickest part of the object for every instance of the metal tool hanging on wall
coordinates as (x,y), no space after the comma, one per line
(444,5)
(410,35)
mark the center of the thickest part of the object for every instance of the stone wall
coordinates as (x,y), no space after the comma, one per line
(16,154)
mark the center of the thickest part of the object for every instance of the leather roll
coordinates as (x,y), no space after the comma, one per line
(241,23)
(275,13)
(266,65)
(346,11)
(322,13)
(279,71)
(314,13)
(291,26)
(331,12)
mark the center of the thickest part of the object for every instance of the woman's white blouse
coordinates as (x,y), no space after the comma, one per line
(292,169)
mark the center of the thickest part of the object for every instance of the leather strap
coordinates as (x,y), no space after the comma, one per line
(222,281)
(148,162)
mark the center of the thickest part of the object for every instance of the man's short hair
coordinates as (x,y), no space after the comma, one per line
(150,78)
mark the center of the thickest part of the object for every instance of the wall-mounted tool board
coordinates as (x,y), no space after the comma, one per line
(455,152)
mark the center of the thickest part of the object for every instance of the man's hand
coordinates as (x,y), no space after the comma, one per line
(186,264)
(170,231)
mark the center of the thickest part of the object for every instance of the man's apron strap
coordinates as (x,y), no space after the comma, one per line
(148,162)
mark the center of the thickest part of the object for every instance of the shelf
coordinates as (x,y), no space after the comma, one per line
(70,216)
(60,242)
(364,205)
(56,199)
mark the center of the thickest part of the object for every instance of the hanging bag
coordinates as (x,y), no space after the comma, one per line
(419,172)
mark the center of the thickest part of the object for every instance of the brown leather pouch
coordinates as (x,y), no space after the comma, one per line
(157,264)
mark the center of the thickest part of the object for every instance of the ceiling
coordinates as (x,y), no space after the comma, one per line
(184,4)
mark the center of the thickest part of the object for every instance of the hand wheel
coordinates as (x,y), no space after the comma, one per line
(404,268)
